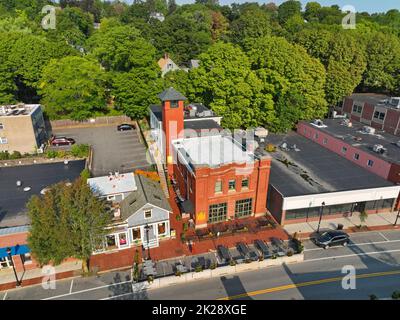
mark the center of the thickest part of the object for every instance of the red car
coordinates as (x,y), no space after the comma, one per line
(61,141)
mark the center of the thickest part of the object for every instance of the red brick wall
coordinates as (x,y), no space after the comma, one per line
(203,186)
(275,203)
(391,121)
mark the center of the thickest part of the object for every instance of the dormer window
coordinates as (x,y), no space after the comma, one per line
(147,214)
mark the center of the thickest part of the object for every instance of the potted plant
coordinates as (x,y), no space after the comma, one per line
(232,262)
(213,265)
(363,217)
(150,279)
(178,273)
(396,295)
(198,268)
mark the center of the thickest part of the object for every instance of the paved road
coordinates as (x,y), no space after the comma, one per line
(374,255)
(113,150)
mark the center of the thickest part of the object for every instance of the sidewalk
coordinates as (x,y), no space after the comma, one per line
(374,221)
(35,276)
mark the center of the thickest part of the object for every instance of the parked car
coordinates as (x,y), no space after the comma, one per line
(332,238)
(279,247)
(223,254)
(61,141)
(245,252)
(125,127)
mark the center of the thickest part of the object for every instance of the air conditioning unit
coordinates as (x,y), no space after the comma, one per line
(378,148)
(318,123)
(369,130)
(395,102)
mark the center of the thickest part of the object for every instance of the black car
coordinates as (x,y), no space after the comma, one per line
(332,238)
(125,127)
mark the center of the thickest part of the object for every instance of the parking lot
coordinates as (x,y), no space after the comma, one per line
(112,150)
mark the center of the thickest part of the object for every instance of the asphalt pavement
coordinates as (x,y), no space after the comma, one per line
(375,257)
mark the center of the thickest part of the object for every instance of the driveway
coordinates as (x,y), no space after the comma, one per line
(112,150)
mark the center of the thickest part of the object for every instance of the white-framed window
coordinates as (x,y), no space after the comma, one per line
(1,126)
(147,214)
(26,258)
(379,115)
(232,185)
(344,150)
(5,263)
(316,136)
(218,186)
(357,108)
(111,242)
(370,163)
(3,140)
(136,234)
(245,183)
(123,239)
(325,141)
(162,228)
(356,156)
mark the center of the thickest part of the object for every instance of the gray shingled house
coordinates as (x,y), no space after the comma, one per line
(142,218)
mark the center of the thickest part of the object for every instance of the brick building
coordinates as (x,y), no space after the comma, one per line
(378,111)
(217,180)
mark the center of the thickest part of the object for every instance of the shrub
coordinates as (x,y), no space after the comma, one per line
(178,217)
(183,237)
(363,216)
(289,253)
(396,295)
(232,262)
(150,279)
(85,174)
(185,227)
(198,268)
(62,154)
(51,154)
(16,155)
(4,155)
(373,297)
(80,150)
(213,265)
(178,273)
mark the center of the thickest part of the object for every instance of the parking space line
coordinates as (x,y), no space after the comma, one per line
(383,236)
(5,295)
(357,244)
(70,288)
(351,255)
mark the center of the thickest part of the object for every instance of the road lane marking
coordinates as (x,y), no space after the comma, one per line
(351,255)
(308,283)
(356,244)
(5,295)
(70,288)
(383,236)
(87,290)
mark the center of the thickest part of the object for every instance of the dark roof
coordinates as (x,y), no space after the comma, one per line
(371,98)
(171,94)
(354,137)
(156,109)
(202,124)
(148,191)
(38,177)
(314,169)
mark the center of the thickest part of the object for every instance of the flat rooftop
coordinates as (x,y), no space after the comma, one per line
(313,169)
(39,176)
(18,110)
(112,184)
(191,111)
(211,151)
(355,137)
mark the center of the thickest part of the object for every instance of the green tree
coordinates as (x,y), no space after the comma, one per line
(225,82)
(73,87)
(288,9)
(312,11)
(121,48)
(383,63)
(68,221)
(284,67)
(134,91)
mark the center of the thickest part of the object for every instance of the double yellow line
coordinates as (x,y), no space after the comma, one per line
(308,283)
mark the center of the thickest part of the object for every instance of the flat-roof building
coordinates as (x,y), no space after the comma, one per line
(22,128)
(305,176)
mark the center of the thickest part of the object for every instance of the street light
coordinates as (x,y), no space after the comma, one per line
(320,215)
(8,250)
(147,227)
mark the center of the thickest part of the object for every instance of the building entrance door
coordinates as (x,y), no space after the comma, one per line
(359,207)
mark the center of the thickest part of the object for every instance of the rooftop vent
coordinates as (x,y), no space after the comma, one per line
(378,148)
(395,102)
(318,123)
(368,130)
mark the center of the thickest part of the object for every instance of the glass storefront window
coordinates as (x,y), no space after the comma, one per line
(123,239)
(162,228)
(136,233)
(111,241)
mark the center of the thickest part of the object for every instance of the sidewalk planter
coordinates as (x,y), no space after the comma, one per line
(218,272)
